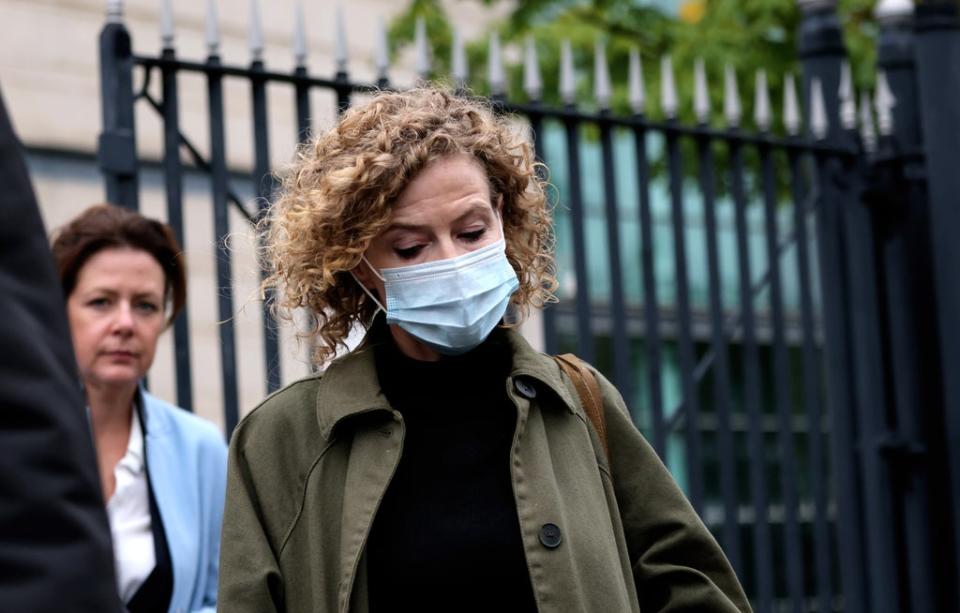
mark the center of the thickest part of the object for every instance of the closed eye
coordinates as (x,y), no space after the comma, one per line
(408,253)
(474,236)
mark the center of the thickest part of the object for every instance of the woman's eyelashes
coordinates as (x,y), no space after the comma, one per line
(473,235)
(408,253)
(412,251)
(148,307)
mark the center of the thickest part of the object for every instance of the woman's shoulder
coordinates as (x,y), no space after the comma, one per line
(290,410)
(163,416)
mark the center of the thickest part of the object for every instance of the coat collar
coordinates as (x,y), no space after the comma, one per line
(153,419)
(350,385)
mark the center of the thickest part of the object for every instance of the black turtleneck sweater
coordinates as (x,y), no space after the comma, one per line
(446,536)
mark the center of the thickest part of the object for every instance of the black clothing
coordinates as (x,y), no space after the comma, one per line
(153,595)
(446,536)
(55,552)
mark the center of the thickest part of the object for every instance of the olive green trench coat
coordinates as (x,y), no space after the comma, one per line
(309,467)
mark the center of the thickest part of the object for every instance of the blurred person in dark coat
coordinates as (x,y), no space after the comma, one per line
(55,552)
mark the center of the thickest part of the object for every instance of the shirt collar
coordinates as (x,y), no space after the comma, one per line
(350,385)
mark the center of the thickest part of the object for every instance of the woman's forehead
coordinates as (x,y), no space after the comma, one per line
(116,266)
(453,176)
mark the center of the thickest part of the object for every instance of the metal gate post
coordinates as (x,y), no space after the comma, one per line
(938,59)
(822,54)
(898,199)
(117,147)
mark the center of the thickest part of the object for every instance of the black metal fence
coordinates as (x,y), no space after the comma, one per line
(793,367)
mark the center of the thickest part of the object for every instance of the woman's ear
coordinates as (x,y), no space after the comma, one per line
(368,280)
(361,272)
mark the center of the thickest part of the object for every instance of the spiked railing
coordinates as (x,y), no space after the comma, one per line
(732,109)
(532,82)
(637,90)
(460,68)
(422,50)
(668,89)
(702,333)
(169,65)
(382,55)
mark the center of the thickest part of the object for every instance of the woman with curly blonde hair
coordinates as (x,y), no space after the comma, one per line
(442,465)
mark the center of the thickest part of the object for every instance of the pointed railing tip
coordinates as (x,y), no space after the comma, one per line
(568,85)
(212,35)
(341,56)
(845,88)
(893,10)
(495,73)
(299,36)
(819,123)
(601,72)
(167,27)
(791,106)
(458,60)
(732,108)
(762,112)
(637,91)
(868,132)
(701,92)
(382,58)
(114,11)
(848,99)
(422,49)
(256,32)
(885,102)
(532,83)
(668,88)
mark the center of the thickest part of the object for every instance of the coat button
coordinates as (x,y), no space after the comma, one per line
(550,536)
(525,388)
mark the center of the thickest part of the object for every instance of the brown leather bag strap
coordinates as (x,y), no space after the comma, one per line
(588,389)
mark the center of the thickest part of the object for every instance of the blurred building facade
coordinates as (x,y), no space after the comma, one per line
(49,76)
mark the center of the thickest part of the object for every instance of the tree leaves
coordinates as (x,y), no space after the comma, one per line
(748,34)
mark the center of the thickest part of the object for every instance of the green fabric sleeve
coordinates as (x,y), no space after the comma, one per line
(677,564)
(250,579)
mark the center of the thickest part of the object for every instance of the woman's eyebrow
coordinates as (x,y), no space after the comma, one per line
(152,295)
(101,289)
(475,207)
(409,227)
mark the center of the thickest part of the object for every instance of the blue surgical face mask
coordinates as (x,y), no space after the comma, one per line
(450,305)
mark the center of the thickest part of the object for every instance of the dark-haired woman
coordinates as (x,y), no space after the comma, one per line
(162,469)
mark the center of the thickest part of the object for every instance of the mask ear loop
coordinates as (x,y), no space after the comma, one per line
(503,237)
(367,289)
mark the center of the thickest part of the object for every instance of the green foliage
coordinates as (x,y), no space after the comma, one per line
(748,34)
(402,32)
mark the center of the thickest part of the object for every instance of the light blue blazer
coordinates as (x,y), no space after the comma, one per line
(187,465)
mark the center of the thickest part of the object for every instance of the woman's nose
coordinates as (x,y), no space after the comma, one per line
(123,318)
(447,249)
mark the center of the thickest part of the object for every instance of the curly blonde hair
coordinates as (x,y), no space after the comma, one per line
(339,193)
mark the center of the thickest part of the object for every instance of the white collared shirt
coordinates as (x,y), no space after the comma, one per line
(129,513)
